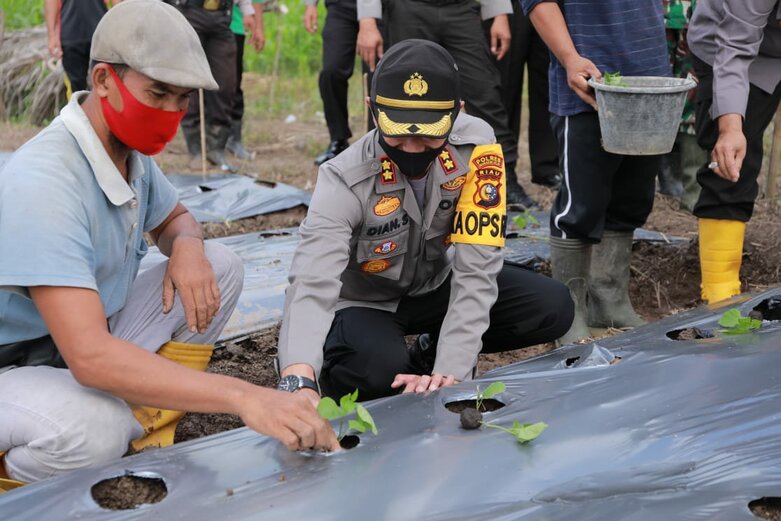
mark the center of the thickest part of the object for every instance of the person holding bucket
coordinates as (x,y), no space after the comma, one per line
(736,46)
(603,196)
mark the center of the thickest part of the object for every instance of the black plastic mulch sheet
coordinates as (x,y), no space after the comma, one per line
(267,257)
(227,197)
(641,427)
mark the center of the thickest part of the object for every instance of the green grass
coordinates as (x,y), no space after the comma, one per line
(22,13)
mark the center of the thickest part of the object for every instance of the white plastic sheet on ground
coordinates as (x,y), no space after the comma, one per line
(676,430)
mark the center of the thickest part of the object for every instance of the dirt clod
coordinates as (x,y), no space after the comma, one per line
(766,508)
(471,418)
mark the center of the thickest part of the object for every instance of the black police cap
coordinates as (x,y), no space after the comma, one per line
(416,90)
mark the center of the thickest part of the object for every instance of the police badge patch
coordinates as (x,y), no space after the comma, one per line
(386,248)
(375,266)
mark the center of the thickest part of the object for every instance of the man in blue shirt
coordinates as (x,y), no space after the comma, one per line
(79,332)
(603,196)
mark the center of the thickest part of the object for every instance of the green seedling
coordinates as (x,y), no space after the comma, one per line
(523,432)
(348,405)
(489,392)
(614,78)
(736,324)
(525,219)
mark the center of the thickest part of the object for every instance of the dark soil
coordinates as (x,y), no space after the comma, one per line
(766,508)
(690,333)
(128,492)
(471,418)
(488,405)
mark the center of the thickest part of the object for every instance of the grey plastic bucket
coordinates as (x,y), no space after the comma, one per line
(641,116)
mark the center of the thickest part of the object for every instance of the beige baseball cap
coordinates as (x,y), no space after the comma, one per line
(155,39)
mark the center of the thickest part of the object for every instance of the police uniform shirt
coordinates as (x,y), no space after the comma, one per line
(366,242)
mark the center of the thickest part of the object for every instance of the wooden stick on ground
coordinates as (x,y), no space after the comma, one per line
(203,133)
(771,183)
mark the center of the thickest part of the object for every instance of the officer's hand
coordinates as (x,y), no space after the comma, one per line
(310,18)
(369,44)
(415,383)
(258,40)
(190,273)
(579,70)
(500,36)
(289,417)
(730,149)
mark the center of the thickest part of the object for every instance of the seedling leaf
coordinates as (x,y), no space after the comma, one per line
(614,78)
(526,432)
(737,324)
(366,418)
(357,425)
(328,409)
(347,403)
(730,318)
(493,389)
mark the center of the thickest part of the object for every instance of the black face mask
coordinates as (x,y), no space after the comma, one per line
(411,164)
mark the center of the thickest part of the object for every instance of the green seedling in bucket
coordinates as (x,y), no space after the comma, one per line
(525,219)
(736,324)
(348,405)
(614,78)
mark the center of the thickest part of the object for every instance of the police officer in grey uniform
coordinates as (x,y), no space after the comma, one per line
(404,236)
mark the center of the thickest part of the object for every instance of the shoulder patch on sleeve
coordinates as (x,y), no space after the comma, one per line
(481,216)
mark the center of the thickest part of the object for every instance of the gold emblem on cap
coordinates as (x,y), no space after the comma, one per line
(393,128)
(415,85)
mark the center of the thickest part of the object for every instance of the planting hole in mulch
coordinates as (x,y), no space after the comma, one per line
(689,333)
(350,441)
(569,362)
(766,508)
(768,309)
(488,405)
(128,492)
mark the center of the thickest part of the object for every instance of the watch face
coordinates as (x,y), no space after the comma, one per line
(289,383)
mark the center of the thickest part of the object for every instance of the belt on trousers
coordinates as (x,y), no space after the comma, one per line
(38,351)
(209,5)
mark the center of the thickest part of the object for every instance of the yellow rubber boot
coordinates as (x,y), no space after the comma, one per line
(6,483)
(160,424)
(721,250)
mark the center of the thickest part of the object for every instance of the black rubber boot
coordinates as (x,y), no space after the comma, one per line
(551,181)
(234,144)
(570,262)
(334,149)
(517,198)
(608,290)
(216,139)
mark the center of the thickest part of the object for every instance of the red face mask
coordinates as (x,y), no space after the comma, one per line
(140,126)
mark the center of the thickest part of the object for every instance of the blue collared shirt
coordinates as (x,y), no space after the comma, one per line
(69,218)
(625,36)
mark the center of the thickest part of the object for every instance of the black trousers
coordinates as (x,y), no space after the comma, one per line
(365,348)
(219,44)
(528,50)
(237,112)
(457,27)
(600,190)
(75,61)
(339,35)
(719,198)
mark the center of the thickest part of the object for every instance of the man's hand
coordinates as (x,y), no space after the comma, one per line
(579,70)
(310,18)
(730,149)
(289,417)
(55,48)
(415,383)
(500,36)
(369,44)
(191,274)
